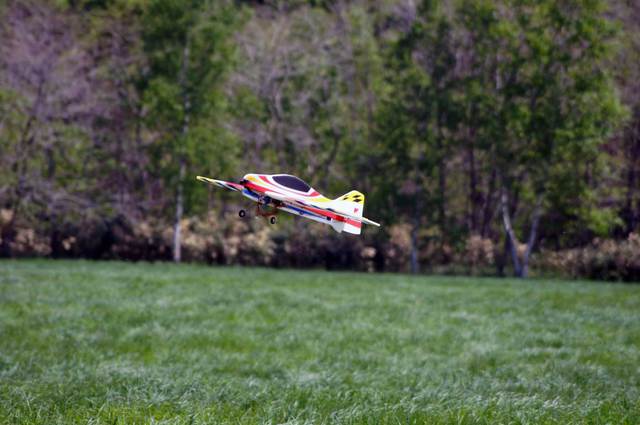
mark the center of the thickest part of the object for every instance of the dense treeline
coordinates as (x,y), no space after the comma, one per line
(486,135)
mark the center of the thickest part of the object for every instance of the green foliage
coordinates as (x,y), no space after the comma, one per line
(432,109)
(420,111)
(190,54)
(601,221)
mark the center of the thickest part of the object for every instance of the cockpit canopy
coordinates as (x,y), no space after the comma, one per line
(292,182)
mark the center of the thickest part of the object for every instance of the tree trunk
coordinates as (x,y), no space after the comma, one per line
(473,190)
(417,211)
(350,71)
(488,207)
(629,209)
(177,242)
(520,268)
(177,255)
(442,184)
(510,234)
(535,219)
(7,235)
(442,188)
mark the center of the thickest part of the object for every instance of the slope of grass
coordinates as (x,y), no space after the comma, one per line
(116,343)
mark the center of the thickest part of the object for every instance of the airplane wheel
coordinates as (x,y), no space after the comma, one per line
(242,213)
(272,220)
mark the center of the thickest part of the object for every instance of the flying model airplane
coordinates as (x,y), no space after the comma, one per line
(282,192)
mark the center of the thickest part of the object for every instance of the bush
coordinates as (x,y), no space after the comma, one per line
(479,253)
(602,259)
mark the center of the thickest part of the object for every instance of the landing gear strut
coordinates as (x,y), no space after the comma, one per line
(267,208)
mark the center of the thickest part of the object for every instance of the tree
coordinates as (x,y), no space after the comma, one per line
(626,147)
(419,119)
(49,104)
(556,104)
(190,52)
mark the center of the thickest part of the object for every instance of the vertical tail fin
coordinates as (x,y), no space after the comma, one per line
(351,203)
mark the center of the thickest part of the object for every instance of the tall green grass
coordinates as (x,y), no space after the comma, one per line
(116,343)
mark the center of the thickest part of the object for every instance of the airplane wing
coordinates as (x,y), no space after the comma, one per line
(221,183)
(330,211)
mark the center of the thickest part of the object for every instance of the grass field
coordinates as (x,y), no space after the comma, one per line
(116,343)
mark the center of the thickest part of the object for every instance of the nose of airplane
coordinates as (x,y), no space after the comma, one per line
(250,177)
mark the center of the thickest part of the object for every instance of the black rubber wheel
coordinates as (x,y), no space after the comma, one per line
(272,220)
(242,213)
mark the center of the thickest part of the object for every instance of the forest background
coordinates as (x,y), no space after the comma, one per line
(489,137)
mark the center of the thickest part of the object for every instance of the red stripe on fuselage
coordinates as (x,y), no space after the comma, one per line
(334,216)
(262,189)
(265,179)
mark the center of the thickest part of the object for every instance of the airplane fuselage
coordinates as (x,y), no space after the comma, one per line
(283,192)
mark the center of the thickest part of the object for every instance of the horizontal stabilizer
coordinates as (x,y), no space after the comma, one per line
(221,183)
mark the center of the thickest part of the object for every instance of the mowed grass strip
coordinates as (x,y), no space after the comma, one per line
(117,343)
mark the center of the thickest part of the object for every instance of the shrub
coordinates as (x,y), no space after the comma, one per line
(602,259)
(479,252)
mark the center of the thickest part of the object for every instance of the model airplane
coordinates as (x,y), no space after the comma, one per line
(282,192)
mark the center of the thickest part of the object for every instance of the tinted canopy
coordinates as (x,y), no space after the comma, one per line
(292,182)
